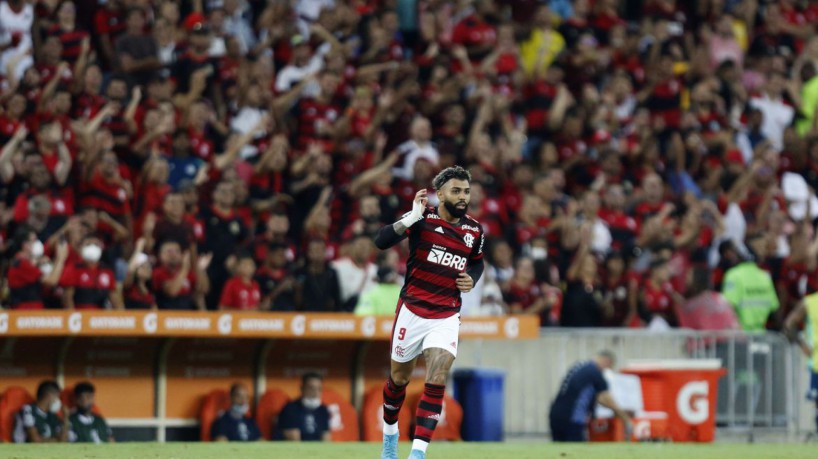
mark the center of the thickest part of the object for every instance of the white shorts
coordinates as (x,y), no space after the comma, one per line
(414,334)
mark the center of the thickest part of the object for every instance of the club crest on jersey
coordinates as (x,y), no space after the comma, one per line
(443,258)
(469,240)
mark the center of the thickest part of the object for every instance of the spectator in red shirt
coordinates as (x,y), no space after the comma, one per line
(179,282)
(31,270)
(225,232)
(88,284)
(107,190)
(476,33)
(66,29)
(658,299)
(241,292)
(171,226)
(12,118)
(276,280)
(623,227)
(653,193)
(525,296)
(621,288)
(369,218)
(62,201)
(153,187)
(56,156)
(109,23)
(137,288)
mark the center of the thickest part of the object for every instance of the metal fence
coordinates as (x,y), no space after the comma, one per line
(763,387)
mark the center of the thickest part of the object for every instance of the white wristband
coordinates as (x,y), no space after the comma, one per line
(414,216)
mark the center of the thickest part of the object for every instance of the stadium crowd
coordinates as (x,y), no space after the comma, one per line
(241,154)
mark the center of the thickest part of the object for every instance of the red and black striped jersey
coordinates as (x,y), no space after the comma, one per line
(438,252)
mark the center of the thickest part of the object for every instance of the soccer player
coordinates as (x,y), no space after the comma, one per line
(807,309)
(38,421)
(583,386)
(446,259)
(87,426)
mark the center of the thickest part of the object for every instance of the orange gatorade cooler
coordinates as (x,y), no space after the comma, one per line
(685,390)
(649,426)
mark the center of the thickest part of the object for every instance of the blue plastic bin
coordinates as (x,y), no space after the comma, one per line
(480,393)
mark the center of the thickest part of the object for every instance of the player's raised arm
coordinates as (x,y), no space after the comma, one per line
(390,235)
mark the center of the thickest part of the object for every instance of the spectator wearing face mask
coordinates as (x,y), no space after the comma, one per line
(31,270)
(87,426)
(88,284)
(235,424)
(38,421)
(305,419)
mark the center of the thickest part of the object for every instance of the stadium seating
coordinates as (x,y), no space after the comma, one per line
(214,403)
(451,418)
(11,401)
(372,414)
(343,417)
(269,406)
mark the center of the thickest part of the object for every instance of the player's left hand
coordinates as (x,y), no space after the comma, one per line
(464,282)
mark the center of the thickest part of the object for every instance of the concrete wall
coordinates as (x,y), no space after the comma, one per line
(534,370)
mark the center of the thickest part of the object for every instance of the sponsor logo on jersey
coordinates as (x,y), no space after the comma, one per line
(439,229)
(469,228)
(447,259)
(432,216)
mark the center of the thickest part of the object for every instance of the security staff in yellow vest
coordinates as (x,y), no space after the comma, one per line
(807,309)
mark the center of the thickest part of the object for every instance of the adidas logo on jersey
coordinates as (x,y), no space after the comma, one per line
(447,259)
(439,229)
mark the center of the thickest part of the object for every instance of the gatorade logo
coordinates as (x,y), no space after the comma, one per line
(150,323)
(512,327)
(368,326)
(75,322)
(225,324)
(641,429)
(692,402)
(299,325)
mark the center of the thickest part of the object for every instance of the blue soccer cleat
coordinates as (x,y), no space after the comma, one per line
(417,454)
(390,446)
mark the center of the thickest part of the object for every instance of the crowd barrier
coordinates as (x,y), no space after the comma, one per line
(763,388)
(153,369)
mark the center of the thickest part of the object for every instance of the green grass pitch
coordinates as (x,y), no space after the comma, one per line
(514,450)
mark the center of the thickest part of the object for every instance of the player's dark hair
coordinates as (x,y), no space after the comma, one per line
(84,387)
(47,387)
(454,172)
(310,375)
